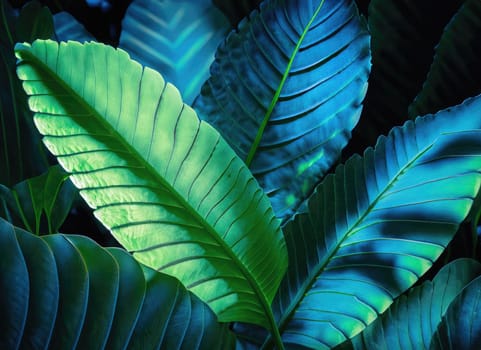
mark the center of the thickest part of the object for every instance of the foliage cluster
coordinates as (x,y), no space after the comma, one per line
(232,149)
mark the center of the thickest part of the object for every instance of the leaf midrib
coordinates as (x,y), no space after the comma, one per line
(107,126)
(287,315)
(272,105)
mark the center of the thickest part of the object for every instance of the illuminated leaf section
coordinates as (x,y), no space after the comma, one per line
(377,224)
(166,184)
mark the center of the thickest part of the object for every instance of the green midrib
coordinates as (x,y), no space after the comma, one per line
(272,105)
(149,169)
(317,270)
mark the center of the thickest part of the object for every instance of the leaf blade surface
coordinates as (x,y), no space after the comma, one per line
(167,185)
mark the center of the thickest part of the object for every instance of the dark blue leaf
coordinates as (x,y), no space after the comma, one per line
(286,90)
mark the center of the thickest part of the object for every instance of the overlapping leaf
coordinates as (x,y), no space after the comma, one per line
(176,38)
(404,34)
(377,224)
(21,154)
(460,327)
(411,320)
(68,28)
(166,184)
(455,72)
(66,292)
(42,203)
(286,90)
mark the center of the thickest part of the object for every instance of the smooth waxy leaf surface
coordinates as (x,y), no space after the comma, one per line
(176,38)
(66,292)
(455,72)
(377,224)
(460,327)
(404,34)
(21,152)
(40,204)
(286,90)
(166,184)
(412,319)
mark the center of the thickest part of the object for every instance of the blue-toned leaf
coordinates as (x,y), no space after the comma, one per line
(460,327)
(456,71)
(40,204)
(377,225)
(412,319)
(176,38)
(286,90)
(21,152)
(67,292)
(68,28)
(404,34)
(14,285)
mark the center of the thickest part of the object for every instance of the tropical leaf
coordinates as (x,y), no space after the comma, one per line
(68,28)
(21,152)
(176,38)
(236,10)
(376,225)
(404,34)
(286,90)
(460,327)
(46,197)
(412,319)
(166,184)
(66,292)
(455,72)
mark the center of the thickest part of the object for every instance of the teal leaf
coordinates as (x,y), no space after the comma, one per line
(404,34)
(376,225)
(236,10)
(41,204)
(21,152)
(412,319)
(286,90)
(66,292)
(176,38)
(68,28)
(166,184)
(460,327)
(455,72)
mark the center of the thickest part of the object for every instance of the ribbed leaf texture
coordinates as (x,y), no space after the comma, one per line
(412,319)
(404,34)
(68,28)
(40,204)
(455,72)
(21,151)
(236,10)
(376,225)
(67,292)
(460,327)
(167,185)
(286,90)
(176,38)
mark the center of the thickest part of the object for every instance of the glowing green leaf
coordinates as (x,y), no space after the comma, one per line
(167,185)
